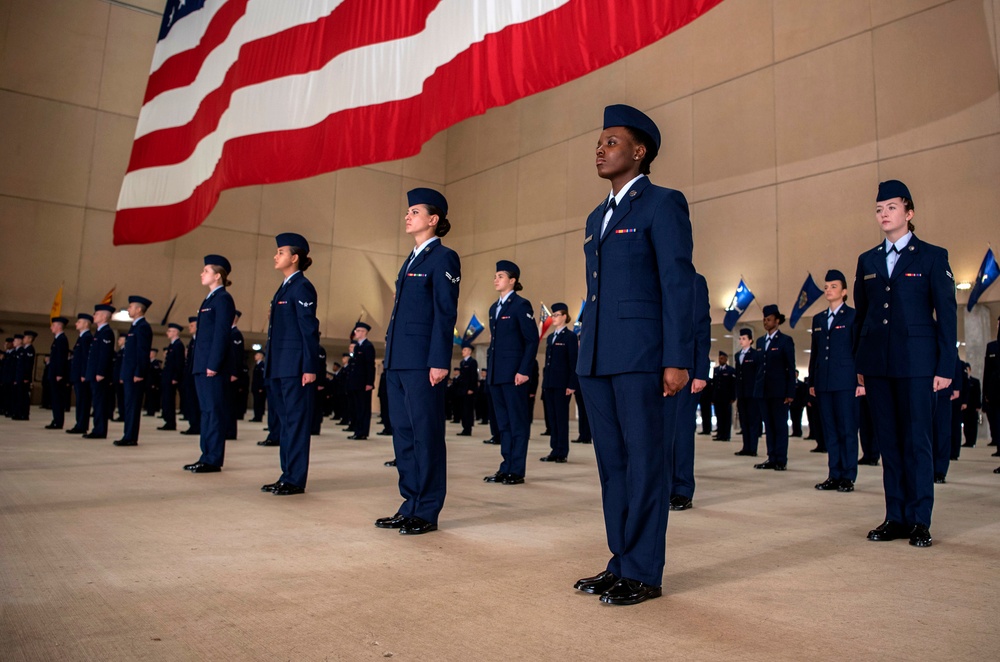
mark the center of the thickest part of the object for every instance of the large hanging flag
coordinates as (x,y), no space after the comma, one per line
(109,297)
(57,303)
(473,330)
(245,92)
(809,293)
(988,273)
(741,299)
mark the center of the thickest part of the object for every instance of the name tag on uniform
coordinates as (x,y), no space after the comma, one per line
(587,240)
(913,275)
(625,231)
(869,276)
(817,329)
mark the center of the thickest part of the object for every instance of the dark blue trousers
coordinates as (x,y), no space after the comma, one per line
(418,425)
(557,402)
(102,397)
(212,402)
(362,419)
(903,412)
(82,392)
(774,414)
(633,426)
(687,414)
(512,409)
(749,412)
(59,403)
(273,422)
(294,409)
(838,412)
(942,432)
(168,402)
(866,430)
(132,408)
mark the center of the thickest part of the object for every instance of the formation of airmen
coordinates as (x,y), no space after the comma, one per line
(890,362)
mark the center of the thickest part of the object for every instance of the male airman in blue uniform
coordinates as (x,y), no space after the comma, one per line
(58,372)
(362,381)
(906,328)
(833,380)
(775,387)
(24,375)
(135,366)
(172,376)
(100,372)
(78,373)
(748,361)
(723,395)
(559,380)
(637,247)
(467,386)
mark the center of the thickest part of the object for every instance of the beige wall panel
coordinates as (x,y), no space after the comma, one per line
(541,193)
(390,167)
(151,5)
(462,204)
(571,109)
(305,206)
(142,269)
(801,26)
(42,250)
(495,217)
(127,57)
(674,166)
(575,268)
(661,72)
(885,11)
(430,164)
(360,283)
(824,222)
(825,109)
(237,209)
(240,248)
(499,134)
(48,156)
(54,49)
(733,136)
(956,200)
(584,189)
(936,80)
(734,38)
(6,11)
(367,210)
(542,270)
(735,236)
(461,149)
(112,149)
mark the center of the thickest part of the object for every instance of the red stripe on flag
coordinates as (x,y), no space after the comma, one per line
(520,60)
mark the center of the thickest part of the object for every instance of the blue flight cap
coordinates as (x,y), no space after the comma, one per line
(622,115)
(18,336)
(721,353)
(238,313)
(834,274)
(362,325)
(85,316)
(106,307)
(33,334)
(509,267)
(146,303)
(292,239)
(8,339)
(892,188)
(427,196)
(467,344)
(63,320)
(175,325)
(772,309)
(747,331)
(557,307)
(219,261)
(192,318)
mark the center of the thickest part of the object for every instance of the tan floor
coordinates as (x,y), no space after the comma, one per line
(117,554)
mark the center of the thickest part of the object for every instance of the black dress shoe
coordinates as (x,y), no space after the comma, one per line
(818,449)
(770,465)
(553,458)
(498,477)
(464,433)
(189,467)
(513,479)
(598,583)
(888,530)
(968,445)
(269,442)
(53,426)
(997,470)
(125,442)
(414,526)
(630,592)
(828,484)
(997,454)
(190,431)
(384,433)
(91,435)
(680,503)
(846,486)
(270,486)
(867,461)
(75,431)
(358,437)
(745,453)
(390,463)
(286,489)
(582,441)
(939,479)
(491,441)
(202,468)
(921,536)
(395,522)
(167,427)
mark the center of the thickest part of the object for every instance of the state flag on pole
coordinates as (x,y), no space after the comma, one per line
(245,92)
(741,299)
(808,295)
(988,272)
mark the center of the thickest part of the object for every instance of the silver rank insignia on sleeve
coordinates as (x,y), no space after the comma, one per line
(453,279)
(306,304)
(949,274)
(529,316)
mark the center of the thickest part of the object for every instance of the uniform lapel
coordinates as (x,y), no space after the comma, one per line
(623,209)
(906,258)
(879,262)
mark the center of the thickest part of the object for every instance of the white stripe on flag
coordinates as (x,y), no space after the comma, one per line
(178,41)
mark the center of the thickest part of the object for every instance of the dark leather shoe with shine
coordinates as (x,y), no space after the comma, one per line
(939,479)
(202,468)
(553,458)
(997,470)
(867,461)
(358,437)
(598,583)
(53,426)
(828,484)
(921,536)
(190,431)
(745,453)
(491,441)
(270,486)
(630,592)
(846,486)
(286,489)
(414,526)
(269,442)
(464,433)
(384,433)
(770,465)
(818,450)
(91,435)
(189,467)
(513,479)
(125,442)
(167,427)
(75,431)
(888,530)
(495,478)
(680,503)
(395,522)
(390,463)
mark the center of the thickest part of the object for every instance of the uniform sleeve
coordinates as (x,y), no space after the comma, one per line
(573,345)
(788,349)
(145,338)
(526,325)
(445,310)
(813,352)
(673,245)
(224,309)
(860,303)
(946,313)
(702,328)
(305,315)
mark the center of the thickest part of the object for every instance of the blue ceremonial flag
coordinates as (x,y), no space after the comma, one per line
(988,273)
(741,300)
(473,330)
(578,324)
(808,295)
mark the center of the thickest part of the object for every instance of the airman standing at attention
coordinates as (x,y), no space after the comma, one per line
(135,367)
(172,376)
(25,375)
(100,372)
(775,387)
(78,373)
(559,380)
(58,372)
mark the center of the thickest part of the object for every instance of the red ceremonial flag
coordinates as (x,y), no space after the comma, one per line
(245,92)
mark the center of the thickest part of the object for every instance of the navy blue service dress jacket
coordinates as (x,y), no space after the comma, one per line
(513,342)
(293,332)
(831,361)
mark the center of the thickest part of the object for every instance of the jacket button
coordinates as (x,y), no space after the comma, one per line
(886,288)
(885,321)
(885,305)
(593,297)
(595,274)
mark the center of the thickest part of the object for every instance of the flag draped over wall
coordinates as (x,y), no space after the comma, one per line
(245,92)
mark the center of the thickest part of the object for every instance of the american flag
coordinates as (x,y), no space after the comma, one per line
(245,92)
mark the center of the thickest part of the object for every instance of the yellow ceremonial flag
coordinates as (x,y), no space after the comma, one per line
(57,304)
(109,296)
